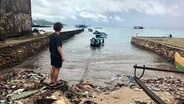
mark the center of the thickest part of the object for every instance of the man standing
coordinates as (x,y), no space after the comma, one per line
(56,53)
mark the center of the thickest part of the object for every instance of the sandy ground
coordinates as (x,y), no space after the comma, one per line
(126,95)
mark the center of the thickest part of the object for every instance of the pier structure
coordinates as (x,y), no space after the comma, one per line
(15,51)
(163,46)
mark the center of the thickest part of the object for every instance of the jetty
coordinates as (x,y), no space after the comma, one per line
(14,51)
(163,46)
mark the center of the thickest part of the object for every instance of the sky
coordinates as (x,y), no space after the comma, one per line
(124,13)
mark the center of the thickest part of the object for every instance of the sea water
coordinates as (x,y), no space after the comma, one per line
(116,57)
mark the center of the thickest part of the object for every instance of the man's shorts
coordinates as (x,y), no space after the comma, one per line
(56,61)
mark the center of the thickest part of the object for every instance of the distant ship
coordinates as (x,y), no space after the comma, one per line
(138,27)
(81,26)
(98,28)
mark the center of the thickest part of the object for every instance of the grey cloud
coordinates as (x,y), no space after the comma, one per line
(100,9)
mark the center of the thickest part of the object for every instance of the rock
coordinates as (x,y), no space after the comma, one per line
(180,89)
(137,89)
(121,85)
(83,87)
(86,94)
(155,88)
(132,85)
(139,101)
(2,102)
(58,98)
(89,102)
(18,102)
(45,101)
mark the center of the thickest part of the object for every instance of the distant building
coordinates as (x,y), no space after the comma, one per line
(15,17)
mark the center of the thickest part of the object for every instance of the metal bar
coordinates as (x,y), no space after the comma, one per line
(157,69)
(136,72)
(152,95)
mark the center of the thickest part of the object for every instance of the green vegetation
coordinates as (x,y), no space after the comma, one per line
(42,22)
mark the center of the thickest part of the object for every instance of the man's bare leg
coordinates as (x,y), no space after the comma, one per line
(56,74)
(52,74)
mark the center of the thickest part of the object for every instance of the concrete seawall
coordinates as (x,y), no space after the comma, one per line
(14,54)
(165,50)
(15,18)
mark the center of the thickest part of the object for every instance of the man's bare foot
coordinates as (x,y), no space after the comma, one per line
(53,84)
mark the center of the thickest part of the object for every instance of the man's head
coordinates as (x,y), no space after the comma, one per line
(58,26)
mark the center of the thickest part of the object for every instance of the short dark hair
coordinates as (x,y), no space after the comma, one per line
(58,26)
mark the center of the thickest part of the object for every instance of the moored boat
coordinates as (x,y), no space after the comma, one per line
(90,30)
(96,32)
(179,61)
(103,35)
(100,34)
(98,28)
(95,42)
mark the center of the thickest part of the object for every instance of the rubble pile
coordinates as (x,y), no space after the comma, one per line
(28,87)
(12,85)
(170,85)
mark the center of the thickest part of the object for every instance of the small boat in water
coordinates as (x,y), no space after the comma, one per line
(98,28)
(81,26)
(96,42)
(100,34)
(90,30)
(96,32)
(179,61)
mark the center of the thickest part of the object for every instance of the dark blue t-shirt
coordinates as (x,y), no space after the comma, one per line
(55,41)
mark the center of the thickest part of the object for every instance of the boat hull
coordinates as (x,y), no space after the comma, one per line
(179,62)
(96,42)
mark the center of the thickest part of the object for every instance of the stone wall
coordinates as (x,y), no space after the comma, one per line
(165,51)
(15,54)
(15,17)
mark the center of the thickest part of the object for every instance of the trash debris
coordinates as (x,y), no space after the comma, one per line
(19,84)
(171,85)
(22,87)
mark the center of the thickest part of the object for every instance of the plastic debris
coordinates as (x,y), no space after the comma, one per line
(21,87)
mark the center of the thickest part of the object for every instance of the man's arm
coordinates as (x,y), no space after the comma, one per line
(60,50)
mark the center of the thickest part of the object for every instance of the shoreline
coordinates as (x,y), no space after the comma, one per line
(117,91)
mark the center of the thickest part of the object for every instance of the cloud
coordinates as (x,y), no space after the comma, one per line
(104,10)
(89,15)
(94,16)
(118,18)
